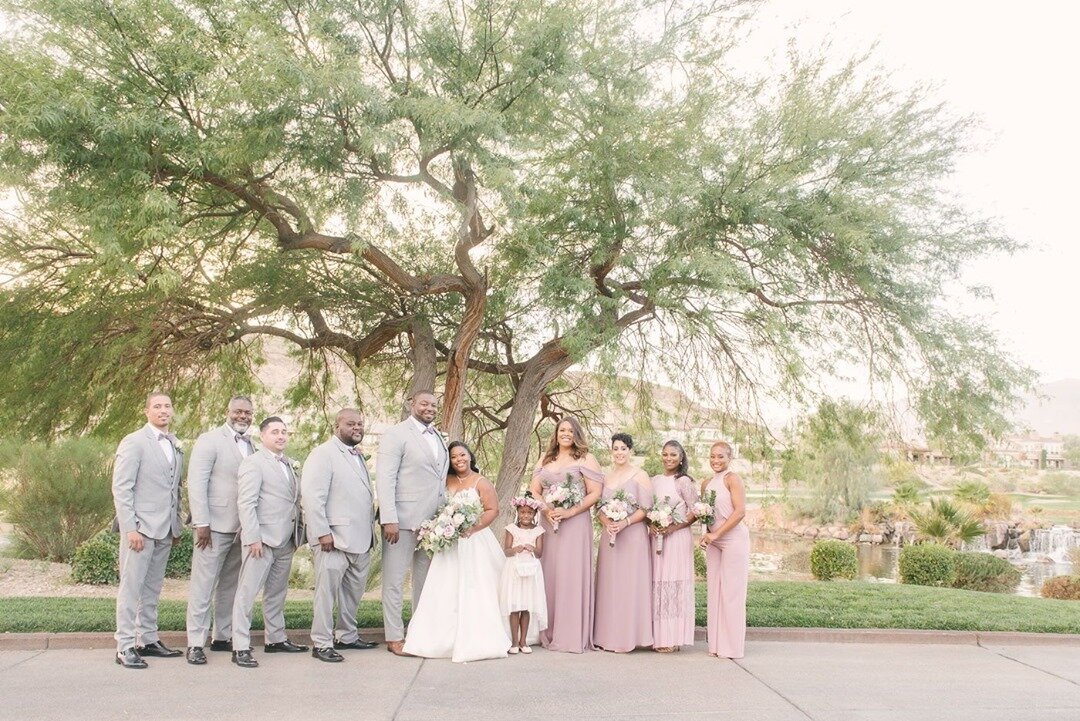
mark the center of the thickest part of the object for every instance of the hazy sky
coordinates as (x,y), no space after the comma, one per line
(1014,67)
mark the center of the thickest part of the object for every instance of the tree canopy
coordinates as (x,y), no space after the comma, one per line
(474,195)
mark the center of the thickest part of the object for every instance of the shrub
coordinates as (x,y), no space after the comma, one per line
(984,572)
(975,493)
(1059,483)
(944,522)
(1066,588)
(58,495)
(927,564)
(97,560)
(833,559)
(700,567)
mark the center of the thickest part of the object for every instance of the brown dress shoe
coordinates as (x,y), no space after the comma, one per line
(397,648)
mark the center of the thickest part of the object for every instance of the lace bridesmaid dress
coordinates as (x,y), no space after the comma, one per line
(673,570)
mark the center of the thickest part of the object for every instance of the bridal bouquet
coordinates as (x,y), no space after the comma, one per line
(444,529)
(705,510)
(567,494)
(617,508)
(662,515)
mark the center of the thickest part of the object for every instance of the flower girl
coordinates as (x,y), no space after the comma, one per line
(522,589)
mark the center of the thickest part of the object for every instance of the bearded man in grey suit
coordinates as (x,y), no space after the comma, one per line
(146,493)
(268,501)
(339,511)
(215,558)
(411,481)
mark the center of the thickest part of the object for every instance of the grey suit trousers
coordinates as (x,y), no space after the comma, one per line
(214,575)
(269,574)
(340,578)
(141,577)
(397,558)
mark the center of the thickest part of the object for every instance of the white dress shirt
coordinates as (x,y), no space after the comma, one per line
(431,436)
(164,443)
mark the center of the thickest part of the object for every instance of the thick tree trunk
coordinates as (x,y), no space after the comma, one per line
(422,355)
(547,365)
(453,401)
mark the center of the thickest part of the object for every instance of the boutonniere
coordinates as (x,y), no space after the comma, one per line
(295,465)
(366,456)
(444,436)
(177,445)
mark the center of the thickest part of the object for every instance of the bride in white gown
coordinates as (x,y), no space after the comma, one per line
(458,614)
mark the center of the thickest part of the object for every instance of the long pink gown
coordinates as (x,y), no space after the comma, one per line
(623,616)
(673,570)
(728,562)
(567,566)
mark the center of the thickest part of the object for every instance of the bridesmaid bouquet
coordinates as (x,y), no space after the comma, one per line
(617,508)
(567,494)
(705,510)
(444,529)
(661,515)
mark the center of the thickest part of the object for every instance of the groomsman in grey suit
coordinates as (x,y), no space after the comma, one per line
(146,493)
(411,482)
(215,559)
(339,511)
(268,501)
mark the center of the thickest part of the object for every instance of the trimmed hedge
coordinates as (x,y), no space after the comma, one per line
(97,561)
(700,567)
(928,564)
(973,571)
(831,559)
(1066,588)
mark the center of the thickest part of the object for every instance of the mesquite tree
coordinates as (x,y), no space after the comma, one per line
(479,194)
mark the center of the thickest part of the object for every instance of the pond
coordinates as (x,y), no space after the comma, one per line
(782,555)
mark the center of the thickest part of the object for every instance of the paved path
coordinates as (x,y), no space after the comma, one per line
(777,681)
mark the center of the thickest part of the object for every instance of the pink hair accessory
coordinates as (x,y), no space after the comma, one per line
(526,501)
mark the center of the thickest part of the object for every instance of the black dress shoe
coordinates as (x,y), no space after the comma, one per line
(284,647)
(359,643)
(195,656)
(129,658)
(244,659)
(157,648)
(221,645)
(327,654)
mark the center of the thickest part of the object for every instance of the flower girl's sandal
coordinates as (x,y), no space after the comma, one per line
(513,650)
(526,649)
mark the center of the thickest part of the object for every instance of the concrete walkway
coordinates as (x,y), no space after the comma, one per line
(777,681)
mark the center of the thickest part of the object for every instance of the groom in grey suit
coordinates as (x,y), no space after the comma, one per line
(339,510)
(411,481)
(215,558)
(146,493)
(268,500)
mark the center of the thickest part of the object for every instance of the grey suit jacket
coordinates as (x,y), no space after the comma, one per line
(146,488)
(211,480)
(410,479)
(268,501)
(337,498)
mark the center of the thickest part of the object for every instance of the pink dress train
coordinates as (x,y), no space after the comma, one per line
(673,570)
(623,616)
(728,563)
(567,566)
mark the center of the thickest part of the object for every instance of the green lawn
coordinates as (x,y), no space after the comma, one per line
(804,604)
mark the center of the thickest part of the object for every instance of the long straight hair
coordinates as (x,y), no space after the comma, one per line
(579,450)
(684,462)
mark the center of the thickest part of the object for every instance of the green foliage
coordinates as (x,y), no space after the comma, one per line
(944,522)
(927,564)
(1061,483)
(97,560)
(57,495)
(975,493)
(832,559)
(835,456)
(1071,449)
(1065,588)
(984,572)
(700,566)
(196,178)
(906,496)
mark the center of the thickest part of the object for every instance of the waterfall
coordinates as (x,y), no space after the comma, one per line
(1055,542)
(978,544)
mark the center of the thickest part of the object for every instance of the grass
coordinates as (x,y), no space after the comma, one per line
(798,604)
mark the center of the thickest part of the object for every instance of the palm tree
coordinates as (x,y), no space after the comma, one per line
(945,522)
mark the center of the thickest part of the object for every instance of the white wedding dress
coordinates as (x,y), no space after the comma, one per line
(458,615)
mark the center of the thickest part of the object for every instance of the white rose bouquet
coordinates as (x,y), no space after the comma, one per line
(705,510)
(444,529)
(617,508)
(662,515)
(567,494)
